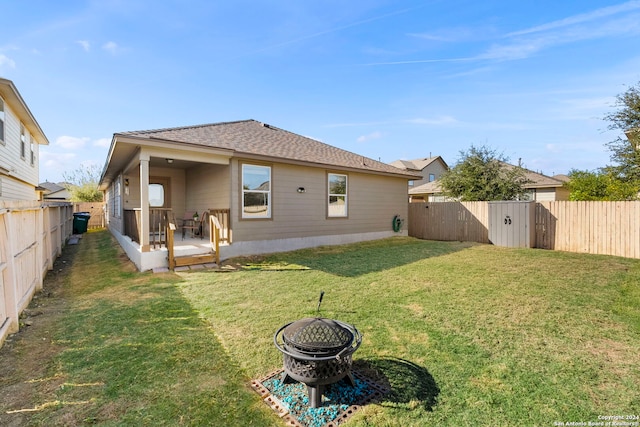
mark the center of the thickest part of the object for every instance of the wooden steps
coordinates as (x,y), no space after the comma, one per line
(186,260)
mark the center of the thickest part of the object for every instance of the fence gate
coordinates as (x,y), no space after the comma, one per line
(512,224)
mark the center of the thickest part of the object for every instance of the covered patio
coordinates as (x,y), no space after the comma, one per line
(152,185)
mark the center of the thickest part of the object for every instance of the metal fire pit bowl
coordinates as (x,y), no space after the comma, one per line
(317,352)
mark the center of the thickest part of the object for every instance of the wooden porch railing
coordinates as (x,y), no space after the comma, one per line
(223,216)
(171,229)
(159,219)
(214,226)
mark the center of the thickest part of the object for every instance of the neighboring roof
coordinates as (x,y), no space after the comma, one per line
(250,137)
(538,180)
(417,164)
(51,187)
(11,96)
(432,187)
(53,191)
(562,177)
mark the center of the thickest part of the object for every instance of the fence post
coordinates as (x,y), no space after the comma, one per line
(171,228)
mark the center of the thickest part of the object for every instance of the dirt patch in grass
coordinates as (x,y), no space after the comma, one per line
(26,357)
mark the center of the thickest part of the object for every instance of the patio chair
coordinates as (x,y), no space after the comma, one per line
(197,226)
(188,222)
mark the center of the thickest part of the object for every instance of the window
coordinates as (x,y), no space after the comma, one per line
(156,195)
(2,121)
(33,154)
(23,141)
(337,202)
(432,177)
(116,199)
(256,191)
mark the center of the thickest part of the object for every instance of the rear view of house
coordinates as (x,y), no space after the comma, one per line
(272,190)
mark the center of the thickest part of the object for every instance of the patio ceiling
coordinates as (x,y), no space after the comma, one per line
(126,152)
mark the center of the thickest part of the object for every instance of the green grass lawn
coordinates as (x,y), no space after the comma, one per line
(465,334)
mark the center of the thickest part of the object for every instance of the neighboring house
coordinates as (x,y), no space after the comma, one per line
(20,138)
(540,188)
(430,168)
(53,191)
(282,191)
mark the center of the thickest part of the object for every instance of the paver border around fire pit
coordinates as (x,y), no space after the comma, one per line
(375,394)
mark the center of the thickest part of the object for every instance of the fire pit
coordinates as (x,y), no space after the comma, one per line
(317,352)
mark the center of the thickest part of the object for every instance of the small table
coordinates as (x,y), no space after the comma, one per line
(192,224)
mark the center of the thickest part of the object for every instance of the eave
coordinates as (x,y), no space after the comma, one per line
(13,98)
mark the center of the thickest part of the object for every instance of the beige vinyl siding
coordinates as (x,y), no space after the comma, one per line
(23,178)
(562,194)
(12,189)
(176,183)
(551,194)
(436,168)
(114,222)
(373,200)
(208,188)
(199,188)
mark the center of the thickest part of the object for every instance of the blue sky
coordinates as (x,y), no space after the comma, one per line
(385,79)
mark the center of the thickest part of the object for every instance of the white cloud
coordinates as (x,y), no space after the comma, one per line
(599,23)
(102,142)
(455,34)
(578,19)
(71,142)
(53,165)
(614,21)
(111,47)
(369,137)
(6,61)
(86,46)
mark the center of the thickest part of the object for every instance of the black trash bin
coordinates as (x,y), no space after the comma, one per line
(80,222)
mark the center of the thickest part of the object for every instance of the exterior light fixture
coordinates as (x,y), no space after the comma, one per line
(301,190)
(169,161)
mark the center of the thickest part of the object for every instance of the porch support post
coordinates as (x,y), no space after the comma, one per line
(144,204)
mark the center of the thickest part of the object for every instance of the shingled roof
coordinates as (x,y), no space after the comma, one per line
(417,164)
(251,137)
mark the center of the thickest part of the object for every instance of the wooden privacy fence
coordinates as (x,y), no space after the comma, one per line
(608,228)
(32,235)
(95,209)
(465,222)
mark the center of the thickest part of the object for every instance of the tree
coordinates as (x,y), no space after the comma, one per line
(625,153)
(481,174)
(82,183)
(586,185)
(598,185)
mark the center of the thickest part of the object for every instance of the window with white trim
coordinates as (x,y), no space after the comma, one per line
(337,197)
(33,153)
(23,141)
(256,191)
(2,119)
